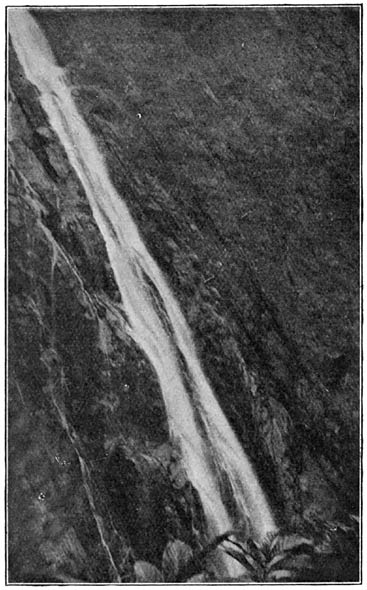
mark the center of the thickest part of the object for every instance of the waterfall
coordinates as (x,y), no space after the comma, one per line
(210,451)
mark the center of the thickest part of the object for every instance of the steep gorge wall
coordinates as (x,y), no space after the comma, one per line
(238,156)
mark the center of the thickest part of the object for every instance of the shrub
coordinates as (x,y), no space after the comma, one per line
(279,558)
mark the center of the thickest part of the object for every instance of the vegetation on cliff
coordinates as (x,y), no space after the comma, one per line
(233,136)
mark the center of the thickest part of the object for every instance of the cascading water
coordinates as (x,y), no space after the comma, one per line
(210,450)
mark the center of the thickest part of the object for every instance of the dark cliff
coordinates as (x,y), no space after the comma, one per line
(233,136)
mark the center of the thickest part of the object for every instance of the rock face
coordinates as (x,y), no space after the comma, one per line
(233,136)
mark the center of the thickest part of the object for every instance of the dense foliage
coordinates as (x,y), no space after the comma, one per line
(233,136)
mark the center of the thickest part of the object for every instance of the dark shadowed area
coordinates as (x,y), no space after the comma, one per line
(233,136)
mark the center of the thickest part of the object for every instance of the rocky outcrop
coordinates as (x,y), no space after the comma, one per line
(233,137)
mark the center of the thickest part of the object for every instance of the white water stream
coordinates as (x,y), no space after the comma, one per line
(208,445)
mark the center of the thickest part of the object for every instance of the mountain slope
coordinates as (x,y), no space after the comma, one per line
(232,134)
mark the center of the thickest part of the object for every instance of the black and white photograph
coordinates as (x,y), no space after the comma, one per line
(183,246)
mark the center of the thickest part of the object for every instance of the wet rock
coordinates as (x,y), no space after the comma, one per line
(242,174)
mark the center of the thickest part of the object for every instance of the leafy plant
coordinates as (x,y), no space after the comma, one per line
(279,558)
(179,563)
(176,556)
(147,572)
